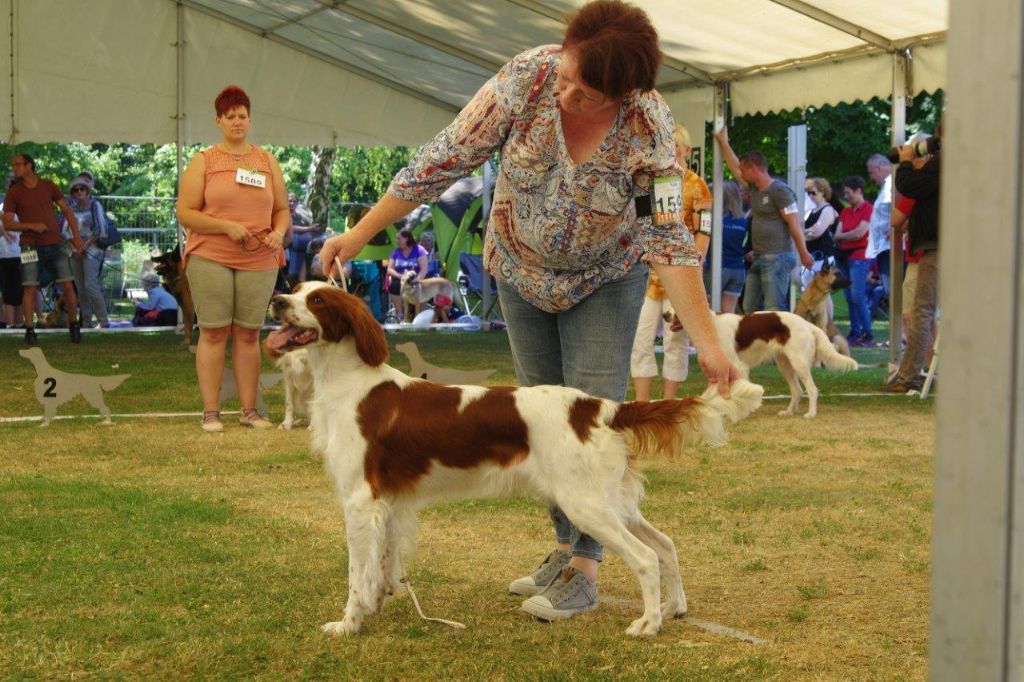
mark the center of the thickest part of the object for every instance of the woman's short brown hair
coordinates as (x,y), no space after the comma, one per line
(229,98)
(616,47)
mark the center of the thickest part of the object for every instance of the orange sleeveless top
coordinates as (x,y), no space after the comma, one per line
(250,206)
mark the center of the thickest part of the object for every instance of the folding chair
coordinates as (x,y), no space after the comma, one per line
(472,286)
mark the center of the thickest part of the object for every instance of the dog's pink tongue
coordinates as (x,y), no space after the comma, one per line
(278,339)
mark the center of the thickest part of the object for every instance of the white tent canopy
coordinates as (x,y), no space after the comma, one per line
(395,71)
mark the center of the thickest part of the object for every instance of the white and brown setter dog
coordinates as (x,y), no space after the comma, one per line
(394,443)
(795,345)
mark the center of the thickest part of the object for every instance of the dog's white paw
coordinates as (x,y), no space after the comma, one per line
(673,609)
(285,425)
(349,626)
(644,627)
(786,413)
(810,415)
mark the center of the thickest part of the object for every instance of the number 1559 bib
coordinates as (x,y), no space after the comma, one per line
(667,200)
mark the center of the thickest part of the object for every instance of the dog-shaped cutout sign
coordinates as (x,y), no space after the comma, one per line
(54,388)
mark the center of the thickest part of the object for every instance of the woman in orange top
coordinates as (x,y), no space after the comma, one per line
(676,363)
(233,204)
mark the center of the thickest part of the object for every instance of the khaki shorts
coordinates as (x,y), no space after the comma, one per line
(223,295)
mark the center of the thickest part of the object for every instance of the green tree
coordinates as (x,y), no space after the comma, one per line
(318,193)
(840,137)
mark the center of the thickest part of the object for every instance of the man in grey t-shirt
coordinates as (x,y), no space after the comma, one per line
(775,229)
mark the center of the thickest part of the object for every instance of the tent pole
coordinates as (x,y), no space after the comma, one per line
(717,180)
(796,176)
(977,578)
(179,114)
(13,139)
(179,121)
(900,67)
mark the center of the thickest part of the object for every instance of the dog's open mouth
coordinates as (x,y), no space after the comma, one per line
(287,337)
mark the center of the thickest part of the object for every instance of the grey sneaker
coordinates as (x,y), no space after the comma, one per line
(535,583)
(570,593)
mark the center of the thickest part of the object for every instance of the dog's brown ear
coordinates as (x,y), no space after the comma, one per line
(341,314)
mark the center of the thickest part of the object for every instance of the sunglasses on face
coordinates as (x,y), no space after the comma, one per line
(812,192)
(79,189)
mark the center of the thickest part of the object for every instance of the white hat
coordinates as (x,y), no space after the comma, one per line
(84,179)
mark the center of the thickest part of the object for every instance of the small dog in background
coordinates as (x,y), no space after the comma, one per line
(415,292)
(173,279)
(814,306)
(56,317)
(298,387)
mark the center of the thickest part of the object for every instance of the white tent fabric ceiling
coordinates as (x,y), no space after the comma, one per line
(395,71)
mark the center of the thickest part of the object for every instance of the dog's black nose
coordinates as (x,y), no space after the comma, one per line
(277,304)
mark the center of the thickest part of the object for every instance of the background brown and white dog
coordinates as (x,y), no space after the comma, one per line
(815,306)
(298,387)
(173,279)
(415,292)
(394,444)
(795,344)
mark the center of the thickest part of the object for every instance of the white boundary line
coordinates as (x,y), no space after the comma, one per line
(175,415)
(139,415)
(696,622)
(847,395)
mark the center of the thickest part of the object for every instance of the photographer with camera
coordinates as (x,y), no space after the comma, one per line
(917,177)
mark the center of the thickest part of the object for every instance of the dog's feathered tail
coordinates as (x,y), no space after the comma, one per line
(827,354)
(667,425)
(111,382)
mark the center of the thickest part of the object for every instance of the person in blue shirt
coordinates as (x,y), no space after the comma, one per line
(160,309)
(735,224)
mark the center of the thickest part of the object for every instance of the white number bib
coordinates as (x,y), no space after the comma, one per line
(252,178)
(30,256)
(667,200)
(705,222)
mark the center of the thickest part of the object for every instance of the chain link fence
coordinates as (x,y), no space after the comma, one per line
(148,227)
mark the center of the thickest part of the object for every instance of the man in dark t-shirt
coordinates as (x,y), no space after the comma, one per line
(774,231)
(28,209)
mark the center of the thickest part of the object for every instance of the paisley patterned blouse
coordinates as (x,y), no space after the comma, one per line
(558,230)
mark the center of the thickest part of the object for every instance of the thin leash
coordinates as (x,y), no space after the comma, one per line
(416,602)
(344,286)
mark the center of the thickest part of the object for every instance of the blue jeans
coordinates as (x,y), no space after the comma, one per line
(297,251)
(586,347)
(768,282)
(857,296)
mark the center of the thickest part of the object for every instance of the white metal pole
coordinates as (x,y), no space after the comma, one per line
(13,36)
(179,131)
(717,180)
(977,617)
(796,175)
(900,67)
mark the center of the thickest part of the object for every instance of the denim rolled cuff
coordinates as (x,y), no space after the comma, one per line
(580,544)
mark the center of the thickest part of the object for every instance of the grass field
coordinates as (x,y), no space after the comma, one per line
(148,549)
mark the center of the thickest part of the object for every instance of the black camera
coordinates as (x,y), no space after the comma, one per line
(932,145)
